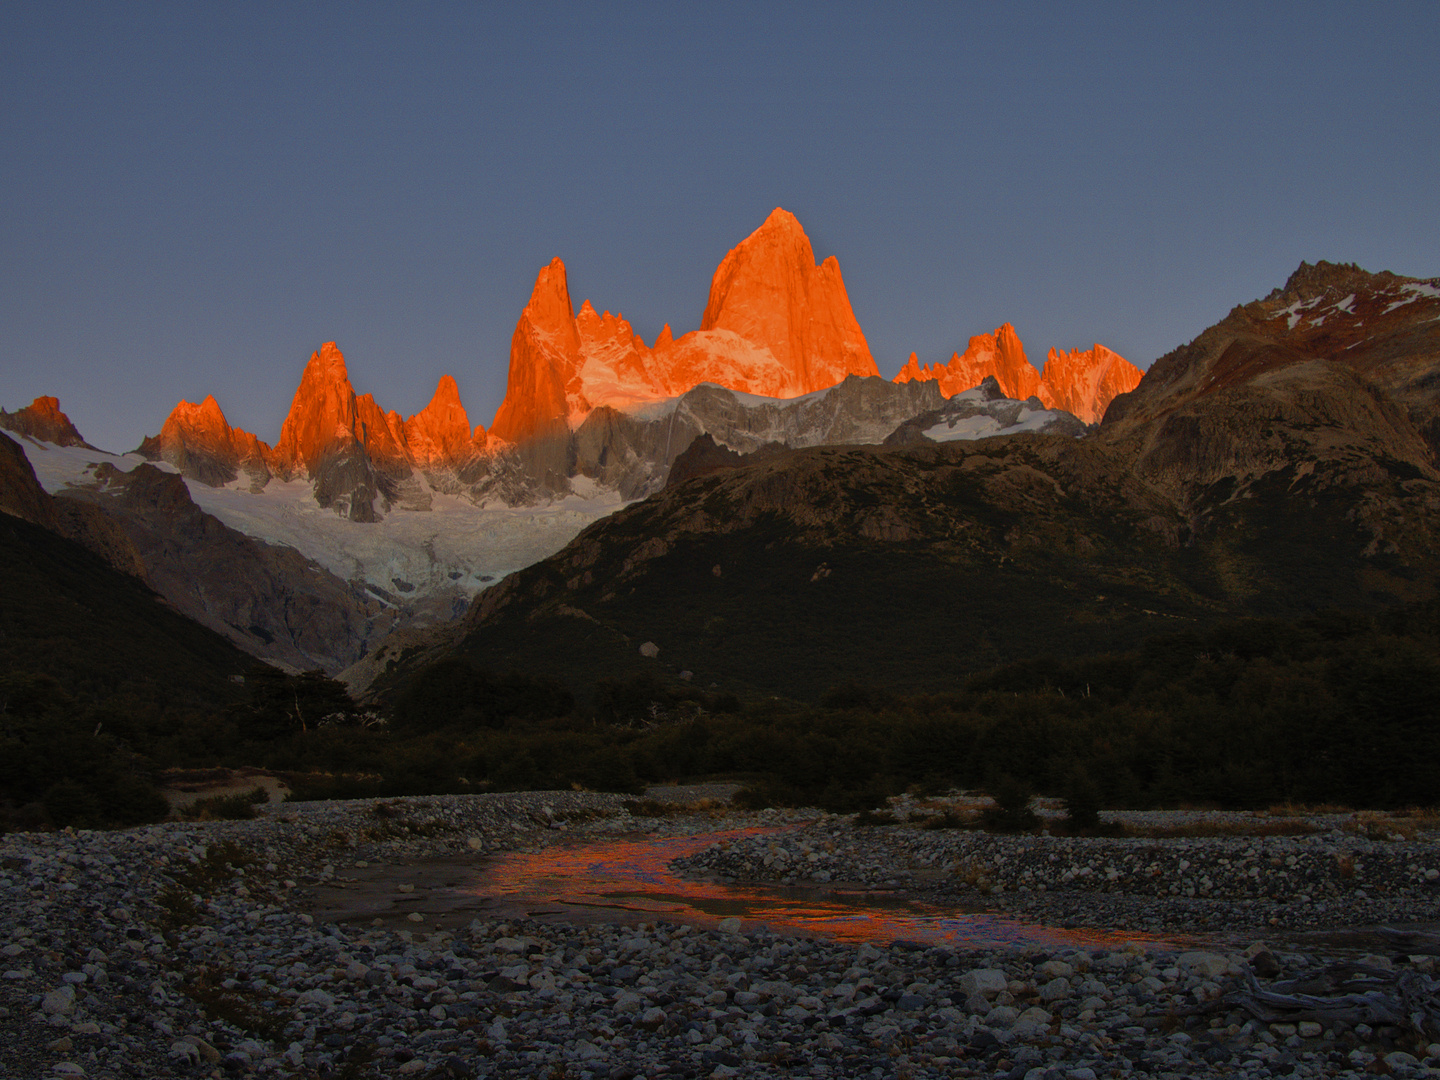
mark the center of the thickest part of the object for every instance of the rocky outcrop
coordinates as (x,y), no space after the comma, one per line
(1084,383)
(1080,383)
(633,452)
(43,420)
(981,413)
(439,435)
(360,458)
(20,492)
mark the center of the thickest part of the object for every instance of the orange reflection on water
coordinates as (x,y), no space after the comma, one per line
(626,879)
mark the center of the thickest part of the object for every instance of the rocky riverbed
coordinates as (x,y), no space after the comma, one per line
(194,950)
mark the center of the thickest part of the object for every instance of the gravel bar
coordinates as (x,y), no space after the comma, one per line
(186,950)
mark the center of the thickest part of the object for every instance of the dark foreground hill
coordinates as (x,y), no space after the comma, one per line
(92,666)
(1281,464)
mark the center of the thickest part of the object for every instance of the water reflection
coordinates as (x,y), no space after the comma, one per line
(626,879)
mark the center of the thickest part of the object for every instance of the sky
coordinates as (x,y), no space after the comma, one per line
(194,197)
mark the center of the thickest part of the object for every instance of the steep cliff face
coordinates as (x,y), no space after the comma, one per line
(439,435)
(544,358)
(323,420)
(769,291)
(1080,383)
(1084,383)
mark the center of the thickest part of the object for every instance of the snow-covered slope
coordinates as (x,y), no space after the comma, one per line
(449,553)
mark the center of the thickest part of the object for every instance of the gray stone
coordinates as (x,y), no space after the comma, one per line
(986,982)
(59,1002)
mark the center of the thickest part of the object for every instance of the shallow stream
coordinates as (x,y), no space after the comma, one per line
(627,879)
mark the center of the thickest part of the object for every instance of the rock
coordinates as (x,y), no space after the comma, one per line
(984,982)
(998,355)
(317,998)
(650,649)
(731,925)
(1002,1016)
(1206,965)
(1054,969)
(59,1002)
(185,1052)
(776,325)
(1084,383)
(1264,964)
(1055,990)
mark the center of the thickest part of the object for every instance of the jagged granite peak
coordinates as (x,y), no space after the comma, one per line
(770,292)
(323,415)
(776,325)
(43,420)
(1085,382)
(544,353)
(998,354)
(439,435)
(199,442)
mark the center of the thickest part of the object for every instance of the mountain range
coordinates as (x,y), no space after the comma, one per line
(758,509)
(1283,462)
(417,515)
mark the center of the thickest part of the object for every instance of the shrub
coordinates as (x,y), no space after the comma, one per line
(1012,811)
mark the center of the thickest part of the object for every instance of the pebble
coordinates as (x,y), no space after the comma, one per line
(139,968)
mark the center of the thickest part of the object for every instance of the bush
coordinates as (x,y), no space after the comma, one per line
(1082,801)
(1012,811)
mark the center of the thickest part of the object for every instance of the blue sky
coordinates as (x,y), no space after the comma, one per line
(194,196)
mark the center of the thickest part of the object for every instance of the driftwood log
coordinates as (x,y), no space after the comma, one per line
(1411,942)
(1346,993)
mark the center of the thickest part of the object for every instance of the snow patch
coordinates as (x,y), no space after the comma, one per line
(982,426)
(1418,290)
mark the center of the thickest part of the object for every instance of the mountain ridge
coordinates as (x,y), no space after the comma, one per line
(776,325)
